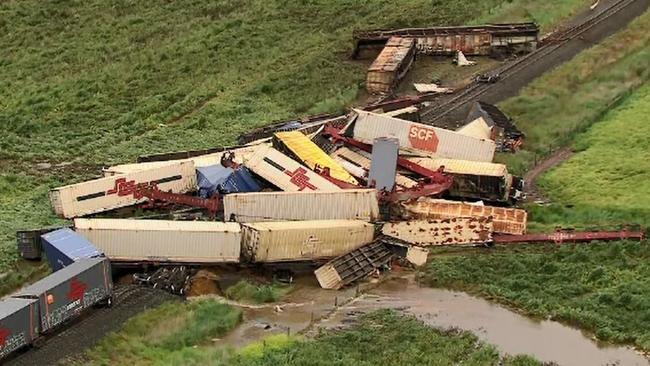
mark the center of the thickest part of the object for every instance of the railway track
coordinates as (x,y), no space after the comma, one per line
(435,114)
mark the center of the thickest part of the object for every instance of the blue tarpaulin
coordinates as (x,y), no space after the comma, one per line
(240,181)
(64,247)
(209,178)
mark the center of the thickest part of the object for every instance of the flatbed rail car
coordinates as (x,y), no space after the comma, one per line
(45,306)
(471,40)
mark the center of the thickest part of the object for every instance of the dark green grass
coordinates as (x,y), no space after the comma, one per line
(246,291)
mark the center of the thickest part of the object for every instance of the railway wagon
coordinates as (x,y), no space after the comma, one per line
(392,64)
(348,204)
(454,231)
(471,40)
(478,180)
(29,243)
(163,241)
(420,138)
(290,241)
(18,327)
(120,190)
(64,294)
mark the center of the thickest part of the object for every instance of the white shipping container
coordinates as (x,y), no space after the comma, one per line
(348,204)
(353,161)
(456,231)
(286,173)
(288,241)
(506,220)
(163,241)
(241,155)
(119,190)
(413,136)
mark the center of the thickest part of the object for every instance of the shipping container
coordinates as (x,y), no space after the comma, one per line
(477,180)
(353,266)
(64,247)
(383,165)
(162,241)
(417,137)
(241,154)
(349,204)
(64,294)
(455,231)
(477,128)
(29,243)
(18,324)
(471,40)
(506,220)
(311,155)
(286,173)
(289,241)
(120,190)
(209,177)
(358,165)
(240,181)
(392,64)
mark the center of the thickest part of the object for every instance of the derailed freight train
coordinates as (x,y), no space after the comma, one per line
(43,307)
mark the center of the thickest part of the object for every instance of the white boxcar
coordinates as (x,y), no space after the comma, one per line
(120,190)
(288,241)
(348,204)
(456,231)
(163,241)
(418,137)
(286,173)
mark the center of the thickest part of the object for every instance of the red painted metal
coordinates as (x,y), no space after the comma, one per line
(212,204)
(325,173)
(435,181)
(563,236)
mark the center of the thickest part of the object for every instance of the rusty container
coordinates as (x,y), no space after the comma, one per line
(455,231)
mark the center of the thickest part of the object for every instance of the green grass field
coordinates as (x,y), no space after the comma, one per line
(171,334)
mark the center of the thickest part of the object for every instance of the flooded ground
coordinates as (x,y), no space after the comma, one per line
(312,308)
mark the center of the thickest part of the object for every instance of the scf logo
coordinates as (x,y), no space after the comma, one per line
(423,138)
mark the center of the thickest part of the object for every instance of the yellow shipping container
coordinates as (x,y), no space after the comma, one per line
(311,155)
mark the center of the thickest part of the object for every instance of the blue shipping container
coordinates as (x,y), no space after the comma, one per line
(241,181)
(209,178)
(64,247)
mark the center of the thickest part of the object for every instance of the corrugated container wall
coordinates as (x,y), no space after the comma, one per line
(65,293)
(120,190)
(64,247)
(286,173)
(163,241)
(288,241)
(349,204)
(390,66)
(433,141)
(353,161)
(456,231)
(506,220)
(18,324)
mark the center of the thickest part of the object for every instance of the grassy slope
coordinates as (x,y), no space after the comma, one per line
(601,287)
(186,330)
(96,82)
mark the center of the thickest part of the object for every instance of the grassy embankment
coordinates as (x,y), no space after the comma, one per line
(604,288)
(382,337)
(172,334)
(96,83)
(245,291)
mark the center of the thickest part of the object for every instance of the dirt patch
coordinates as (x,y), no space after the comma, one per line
(555,159)
(204,282)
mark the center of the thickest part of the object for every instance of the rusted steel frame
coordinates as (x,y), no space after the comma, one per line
(211,204)
(560,237)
